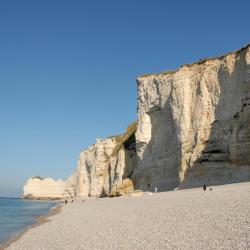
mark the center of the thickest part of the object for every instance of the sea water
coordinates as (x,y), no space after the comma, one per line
(17,214)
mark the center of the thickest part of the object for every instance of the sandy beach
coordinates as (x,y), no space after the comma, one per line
(182,219)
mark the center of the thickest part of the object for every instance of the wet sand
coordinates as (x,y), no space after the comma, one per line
(182,219)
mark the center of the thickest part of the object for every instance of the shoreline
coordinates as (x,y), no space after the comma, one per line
(179,219)
(39,220)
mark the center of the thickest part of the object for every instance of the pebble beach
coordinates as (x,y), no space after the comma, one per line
(180,219)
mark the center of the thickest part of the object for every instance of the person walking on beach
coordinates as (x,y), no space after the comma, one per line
(156,189)
(204,187)
(65,202)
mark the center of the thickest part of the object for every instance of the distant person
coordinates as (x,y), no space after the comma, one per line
(156,189)
(211,189)
(66,202)
(204,187)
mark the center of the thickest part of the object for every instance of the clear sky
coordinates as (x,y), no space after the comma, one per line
(68,70)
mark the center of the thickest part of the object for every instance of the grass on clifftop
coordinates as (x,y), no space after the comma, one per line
(167,72)
(199,62)
(37,177)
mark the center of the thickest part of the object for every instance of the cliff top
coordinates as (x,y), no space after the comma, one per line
(201,61)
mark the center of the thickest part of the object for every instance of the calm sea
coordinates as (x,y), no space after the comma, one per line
(16,214)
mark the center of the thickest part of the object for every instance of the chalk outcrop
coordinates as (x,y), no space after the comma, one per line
(103,169)
(103,166)
(193,128)
(39,188)
(194,124)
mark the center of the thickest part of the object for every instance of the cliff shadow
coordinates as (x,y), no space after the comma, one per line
(161,159)
(130,156)
(226,156)
(123,161)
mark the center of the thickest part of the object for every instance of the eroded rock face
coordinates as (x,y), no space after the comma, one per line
(93,174)
(194,124)
(38,188)
(103,166)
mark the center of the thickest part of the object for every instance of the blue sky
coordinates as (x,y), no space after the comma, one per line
(68,70)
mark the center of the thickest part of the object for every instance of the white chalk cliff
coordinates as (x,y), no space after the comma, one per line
(105,165)
(39,188)
(194,124)
(103,169)
(193,128)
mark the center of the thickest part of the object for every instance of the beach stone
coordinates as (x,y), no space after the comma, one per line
(123,188)
(136,193)
(184,219)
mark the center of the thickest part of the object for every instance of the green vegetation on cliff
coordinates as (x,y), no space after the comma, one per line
(121,139)
(167,72)
(37,177)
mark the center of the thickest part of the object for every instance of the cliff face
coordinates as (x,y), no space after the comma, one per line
(103,169)
(193,128)
(103,166)
(194,124)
